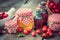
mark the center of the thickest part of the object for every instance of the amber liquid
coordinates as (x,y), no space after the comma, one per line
(30,26)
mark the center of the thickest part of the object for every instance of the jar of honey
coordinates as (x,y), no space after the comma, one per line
(25,18)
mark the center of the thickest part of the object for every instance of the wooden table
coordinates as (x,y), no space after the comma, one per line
(13,37)
(27,37)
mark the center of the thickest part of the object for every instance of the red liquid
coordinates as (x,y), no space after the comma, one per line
(45,18)
(38,23)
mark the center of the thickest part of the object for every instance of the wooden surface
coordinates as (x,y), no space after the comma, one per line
(27,37)
(13,37)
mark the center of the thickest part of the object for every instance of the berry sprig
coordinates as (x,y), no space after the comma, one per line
(3,15)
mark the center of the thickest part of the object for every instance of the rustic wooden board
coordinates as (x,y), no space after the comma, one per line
(13,37)
(27,37)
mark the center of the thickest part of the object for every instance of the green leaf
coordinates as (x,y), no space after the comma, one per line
(21,35)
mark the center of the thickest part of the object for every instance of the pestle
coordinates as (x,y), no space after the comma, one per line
(11,11)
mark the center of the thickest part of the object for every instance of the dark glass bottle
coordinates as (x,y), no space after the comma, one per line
(38,21)
(41,17)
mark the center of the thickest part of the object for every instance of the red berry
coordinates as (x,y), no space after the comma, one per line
(26,32)
(54,7)
(48,33)
(50,7)
(53,11)
(29,30)
(56,3)
(38,31)
(19,29)
(44,29)
(44,35)
(33,34)
(59,33)
(57,10)
(51,34)
(52,4)
(5,15)
(49,30)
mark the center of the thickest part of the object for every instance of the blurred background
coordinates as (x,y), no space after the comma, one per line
(5,5)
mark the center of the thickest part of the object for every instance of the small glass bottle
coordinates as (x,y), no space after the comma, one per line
(38,21)
(41,16)
(44,12)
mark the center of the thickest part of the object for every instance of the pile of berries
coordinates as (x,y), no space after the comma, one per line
(29,31)
(46,32)
(3,15)
(54,6)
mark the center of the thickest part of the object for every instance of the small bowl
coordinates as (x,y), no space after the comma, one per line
(2,21)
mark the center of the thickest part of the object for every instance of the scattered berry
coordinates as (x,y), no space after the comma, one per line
(33,34)
(44,35)
(19,29)
(26,32)
(38,31)
(50,34)
(49,30)
(44,29)
(5,15)
(29,30)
